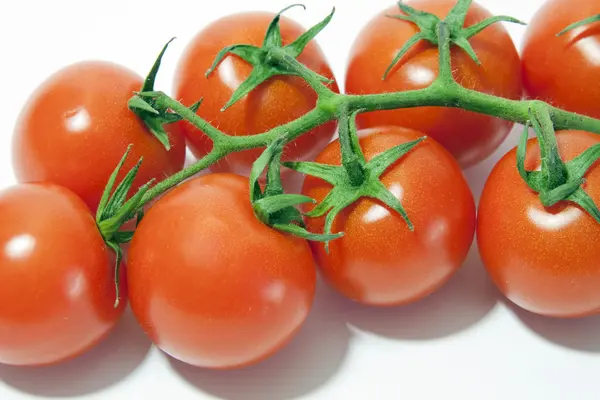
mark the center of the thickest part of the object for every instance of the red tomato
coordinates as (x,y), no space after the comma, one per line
(564,70)
(276,102)
(470,137)
(76,127)
(379,261)
(543,259)
(56,277)
(212,285)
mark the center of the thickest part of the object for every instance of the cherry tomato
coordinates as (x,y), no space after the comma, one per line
(379,261)
(76,127)
(212,285)
(276,102)
(470,137)
(563,70)
(57,289)
(543,259)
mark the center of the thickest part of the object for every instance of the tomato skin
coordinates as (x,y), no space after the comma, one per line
(210,284)
(76,127)
(470,137)
(275,102)
(563,70)
(544,260)
(379,261)
(56,277)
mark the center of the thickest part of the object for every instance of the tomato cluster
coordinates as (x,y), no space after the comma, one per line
(213,285)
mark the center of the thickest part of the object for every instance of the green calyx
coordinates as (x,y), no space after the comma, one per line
(356,177)
(587,21)
(556,181)
(155,117)
(428,25)
(115,210)
(272,59)
(272,206)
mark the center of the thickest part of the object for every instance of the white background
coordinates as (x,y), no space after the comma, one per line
(463,342)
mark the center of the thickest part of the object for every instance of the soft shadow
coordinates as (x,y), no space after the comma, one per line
(103,366)
(307,363)
(581,334)
(466,299)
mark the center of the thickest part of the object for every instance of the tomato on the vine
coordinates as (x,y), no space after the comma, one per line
(76,127)
(543,259)
(470,137)
(57,290)
(379,261)
(563,70)
(211,284)
(277,101)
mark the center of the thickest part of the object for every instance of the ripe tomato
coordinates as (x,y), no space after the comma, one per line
(212,285)
(57,290)
(379,261)
(470,137)
(563,70)
(275,102)
(543,259)
(76,127)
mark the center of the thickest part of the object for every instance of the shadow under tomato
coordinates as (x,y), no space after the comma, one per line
(581,334)
(307,363)
(105,365)
(465,300)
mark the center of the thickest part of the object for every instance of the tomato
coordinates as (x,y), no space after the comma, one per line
(470,137)
(212,285)
(543,259)
(276,102)
(379,261)
(76,127)
(57,290)
(563,70)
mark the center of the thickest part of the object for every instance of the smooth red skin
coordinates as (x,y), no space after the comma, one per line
(380,261)
(276,102)
(57,295)
(470,137)
(210,284)
(563,70)
(47,147)
(553,272)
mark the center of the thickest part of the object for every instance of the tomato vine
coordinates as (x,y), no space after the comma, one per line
(555,182)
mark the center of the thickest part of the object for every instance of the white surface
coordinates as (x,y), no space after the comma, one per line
(464,342)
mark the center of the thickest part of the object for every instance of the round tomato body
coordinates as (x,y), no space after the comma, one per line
(212,285)
(76,126)
(275,102)
(469,136)
(379,261)
(57,290)
(545,260)
(563,70)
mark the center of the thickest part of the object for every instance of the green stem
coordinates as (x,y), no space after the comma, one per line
(352,158)
(293,129)
(230,144)
(445,56)
(174,180)
(162,100)
(553,172)
(311,78)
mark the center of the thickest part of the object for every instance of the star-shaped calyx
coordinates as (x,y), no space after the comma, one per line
(153,116)
(428,25)
(356,177)
(272,58)
(556,181)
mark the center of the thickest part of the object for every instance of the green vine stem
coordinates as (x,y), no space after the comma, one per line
(443,92)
